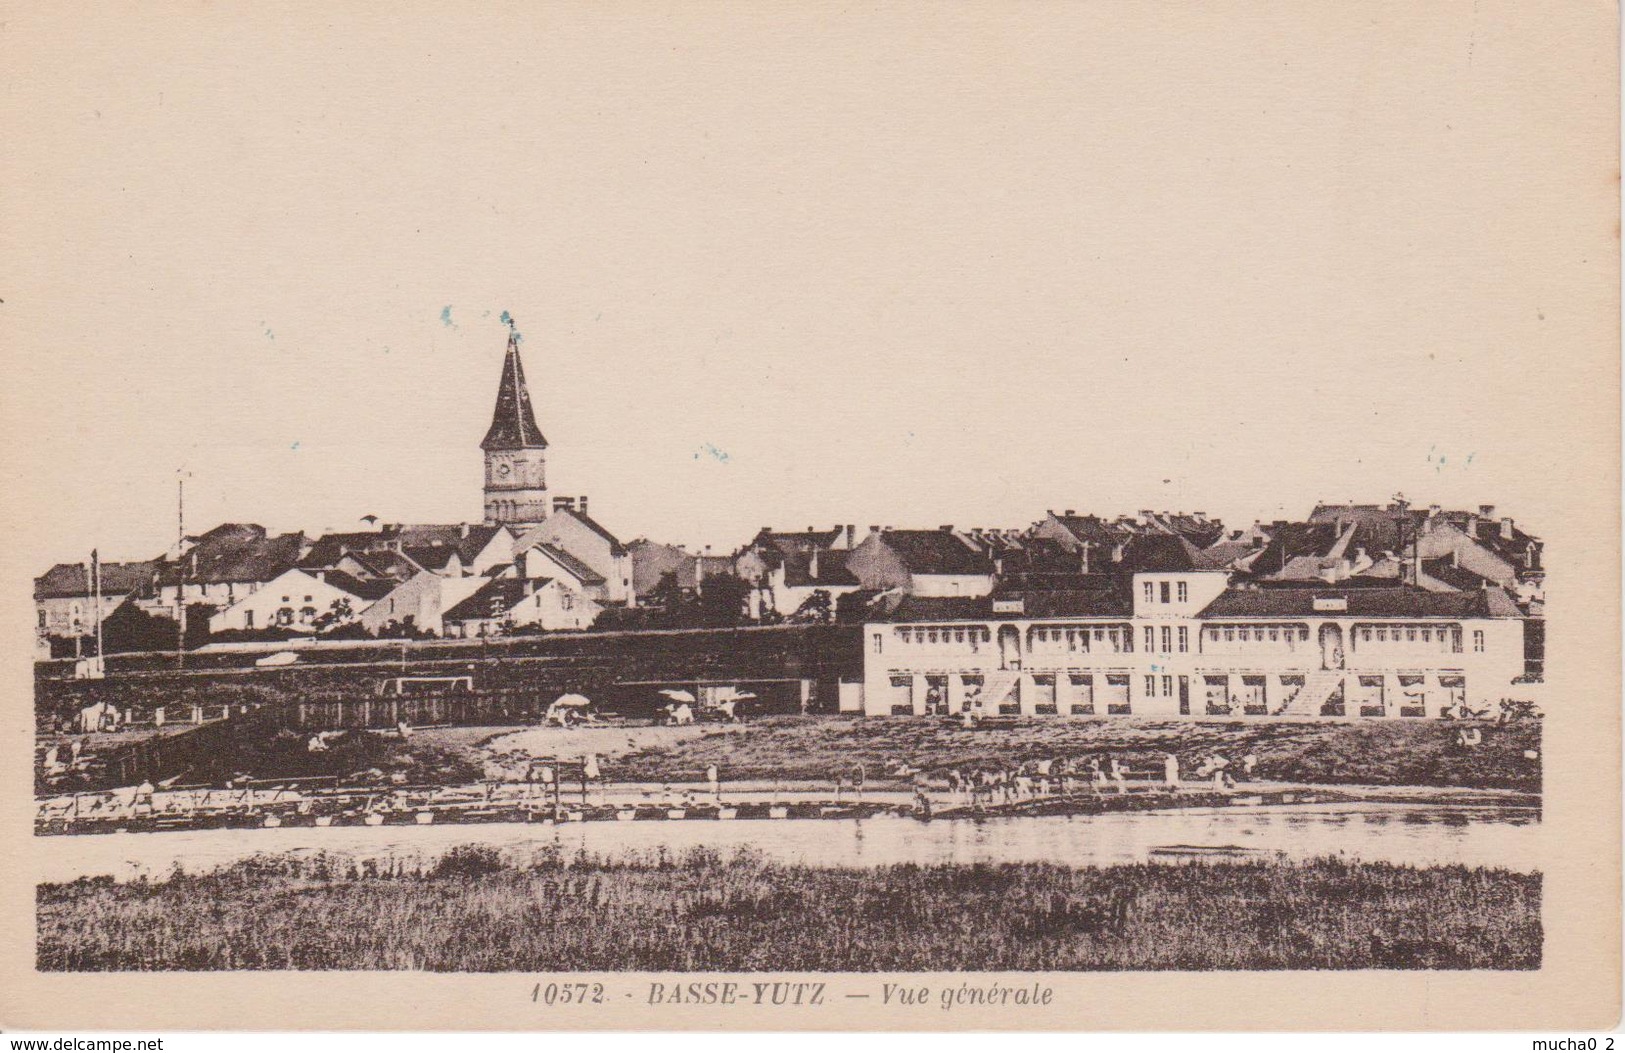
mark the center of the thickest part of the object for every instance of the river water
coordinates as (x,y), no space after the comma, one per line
(1417,834)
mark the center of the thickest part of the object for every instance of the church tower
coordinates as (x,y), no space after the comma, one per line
(515,451)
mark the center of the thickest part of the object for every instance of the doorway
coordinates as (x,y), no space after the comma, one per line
(1009,648)
(1331,646)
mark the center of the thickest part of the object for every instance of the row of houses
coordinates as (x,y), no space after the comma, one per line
(455,580)
(1359,610)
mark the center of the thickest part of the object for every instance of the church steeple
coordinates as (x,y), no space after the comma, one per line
(515,451)
(513,424)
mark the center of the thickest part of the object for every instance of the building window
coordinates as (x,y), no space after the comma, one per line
(877,643)
(1184,593)
(1167,686)
(1229,635)
(1165,591)
(1167,640)
(1150,591)
(1150,686)
(248,619)
(1150,639)
(1478,640)
(1184,640)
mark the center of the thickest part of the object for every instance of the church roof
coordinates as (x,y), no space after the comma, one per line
(513,424)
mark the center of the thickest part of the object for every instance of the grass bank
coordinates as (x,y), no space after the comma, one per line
(1383,753)
(473,912)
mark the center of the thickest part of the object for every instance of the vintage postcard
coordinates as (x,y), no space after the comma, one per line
(811,516)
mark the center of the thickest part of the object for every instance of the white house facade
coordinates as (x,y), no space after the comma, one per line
(1185,645)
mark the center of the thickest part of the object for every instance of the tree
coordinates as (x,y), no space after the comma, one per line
(337,613)
(722,600)
(815,608)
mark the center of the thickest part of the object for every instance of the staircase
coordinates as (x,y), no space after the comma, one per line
(997,689)
(1317,688)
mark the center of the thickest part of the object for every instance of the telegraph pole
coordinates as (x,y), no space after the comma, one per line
(180,582)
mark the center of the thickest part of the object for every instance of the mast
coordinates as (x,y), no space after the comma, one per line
(180,583)
(96,573)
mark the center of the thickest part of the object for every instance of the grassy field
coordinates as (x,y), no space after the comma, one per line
(471,912)
(1387,753)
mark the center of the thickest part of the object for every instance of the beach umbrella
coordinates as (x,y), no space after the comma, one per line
(572,701)
(678,696)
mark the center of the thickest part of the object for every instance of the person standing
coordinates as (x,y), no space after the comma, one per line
(1170,772)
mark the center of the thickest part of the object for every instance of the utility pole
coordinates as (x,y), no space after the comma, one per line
(180,583)
(96,611)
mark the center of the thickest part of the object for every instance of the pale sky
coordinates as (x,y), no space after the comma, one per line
(799,264)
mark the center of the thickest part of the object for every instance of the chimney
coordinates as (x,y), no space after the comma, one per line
(1071,511)
(1472,525)
(1506,528)
(462,529)
(812,564)
(1084,548)
(563,502)
(1433,510)
(1487,511)
(582,504)
(851,535)
(874,529)
(946,528)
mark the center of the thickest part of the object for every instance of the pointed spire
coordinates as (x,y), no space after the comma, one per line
(513,424)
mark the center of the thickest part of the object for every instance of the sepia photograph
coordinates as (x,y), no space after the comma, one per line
(741,502)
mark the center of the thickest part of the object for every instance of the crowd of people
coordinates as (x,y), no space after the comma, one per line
(1097,774)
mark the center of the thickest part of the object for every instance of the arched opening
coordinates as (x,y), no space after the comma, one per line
(1009,648)
(1331,646)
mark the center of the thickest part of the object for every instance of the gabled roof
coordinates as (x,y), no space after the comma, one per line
(69,579)
(1361,603)
(513,424)
(1221,555)
(494,599)
(786,542)
(534,533)
(583,573)
(832,571)
(367,590)
(431,557)
(1458,578)
(935,552)
(1093,529)
(385,563)
(1160,554)
(328,549)
(232,556)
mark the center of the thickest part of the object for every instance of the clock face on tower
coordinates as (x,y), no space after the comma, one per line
(503,468)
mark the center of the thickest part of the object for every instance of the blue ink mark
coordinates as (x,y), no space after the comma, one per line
(295,446)
(268,334)
(1470,456)
(507,319)
(445,317)
(720,456)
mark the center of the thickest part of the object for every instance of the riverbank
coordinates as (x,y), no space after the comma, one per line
(818,751)
(822,749)
(472,911)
